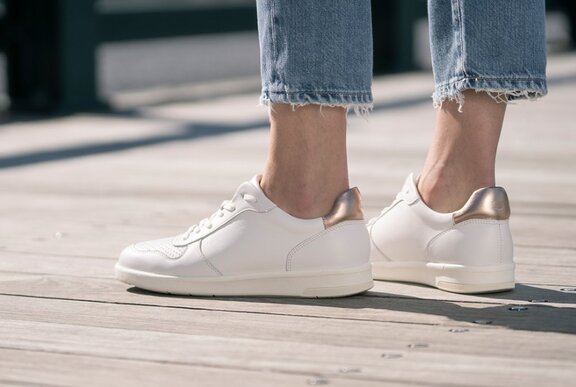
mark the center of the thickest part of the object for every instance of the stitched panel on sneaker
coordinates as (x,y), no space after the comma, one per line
(164,246)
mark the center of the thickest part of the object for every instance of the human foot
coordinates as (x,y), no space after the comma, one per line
(251,247)
(465,251)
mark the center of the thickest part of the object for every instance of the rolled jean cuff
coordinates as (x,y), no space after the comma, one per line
(501,90)
(316,52)
(359,101)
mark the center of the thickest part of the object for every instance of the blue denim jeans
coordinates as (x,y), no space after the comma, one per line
(320,51)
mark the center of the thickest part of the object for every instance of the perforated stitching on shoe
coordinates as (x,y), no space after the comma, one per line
(163,246)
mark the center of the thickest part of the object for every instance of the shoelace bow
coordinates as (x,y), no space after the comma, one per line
(226,206)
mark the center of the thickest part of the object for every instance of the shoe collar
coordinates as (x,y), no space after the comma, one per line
(409,192)
(485,203)
(252,187)
(248,197)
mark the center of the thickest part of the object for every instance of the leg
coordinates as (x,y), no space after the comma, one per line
(317,57)
(451,231)
(462,155)
(297,230)
(307,168)
(466,38)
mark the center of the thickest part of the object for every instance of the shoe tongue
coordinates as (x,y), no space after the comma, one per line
(253,188)
(409,191)
(255,182)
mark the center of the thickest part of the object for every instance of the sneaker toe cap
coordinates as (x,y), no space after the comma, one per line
(142,257)
(134,257)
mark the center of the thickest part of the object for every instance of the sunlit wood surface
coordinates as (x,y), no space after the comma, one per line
(75,190)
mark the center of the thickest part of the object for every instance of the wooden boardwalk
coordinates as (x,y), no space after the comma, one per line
(75,190)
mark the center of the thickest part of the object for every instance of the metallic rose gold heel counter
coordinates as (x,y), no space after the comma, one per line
(348,206)
(485,203)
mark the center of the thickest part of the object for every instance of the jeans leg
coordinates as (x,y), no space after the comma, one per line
(316,52)
(497,46)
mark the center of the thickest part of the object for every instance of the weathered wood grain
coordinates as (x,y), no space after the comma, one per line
(383,307)
(284,327)
(252,354)
(91,184)
(31,368)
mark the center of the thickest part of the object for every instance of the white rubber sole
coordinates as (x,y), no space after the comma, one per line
(313,284)
(448,277)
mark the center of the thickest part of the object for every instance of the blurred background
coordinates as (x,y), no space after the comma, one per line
(60,56)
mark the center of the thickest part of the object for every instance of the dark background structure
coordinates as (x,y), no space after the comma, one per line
(50,45)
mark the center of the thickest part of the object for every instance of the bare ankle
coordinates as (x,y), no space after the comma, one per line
(445,191)
(461,158)
(300,199)
(307,167)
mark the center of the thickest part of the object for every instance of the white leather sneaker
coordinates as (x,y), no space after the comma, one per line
(251,247)
(467,251)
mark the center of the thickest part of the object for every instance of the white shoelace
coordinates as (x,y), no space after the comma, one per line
(207,223)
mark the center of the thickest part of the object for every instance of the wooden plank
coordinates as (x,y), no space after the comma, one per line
(549,317)
(552,255)
(23,367)
(67,265)
(285,328)
(63,237)
(283,356)
(544,231)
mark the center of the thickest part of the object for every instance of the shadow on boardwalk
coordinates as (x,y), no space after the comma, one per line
(539,315)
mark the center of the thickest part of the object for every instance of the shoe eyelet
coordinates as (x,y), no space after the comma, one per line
(249,198)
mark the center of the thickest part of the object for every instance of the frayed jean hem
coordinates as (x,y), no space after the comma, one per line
(360,103)
(501,90)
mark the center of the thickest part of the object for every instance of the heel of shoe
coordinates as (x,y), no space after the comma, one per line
(470,280)
(340,284)
(449,277)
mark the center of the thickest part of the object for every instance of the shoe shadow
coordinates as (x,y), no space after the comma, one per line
(531,309)
(534,294)
(527,308)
